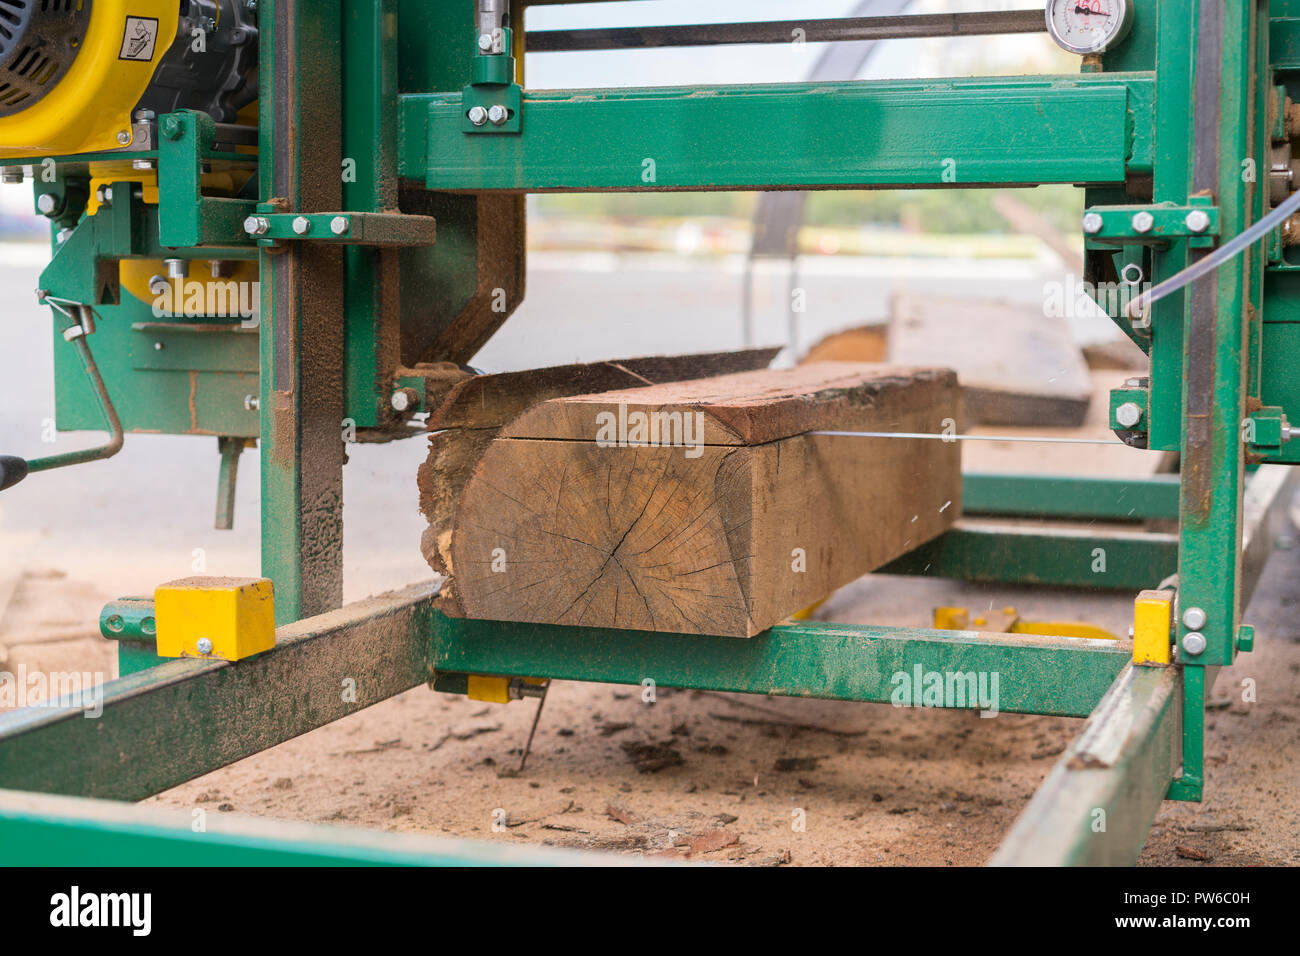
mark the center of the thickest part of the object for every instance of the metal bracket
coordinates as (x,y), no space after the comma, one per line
(1157,225)
(343,228)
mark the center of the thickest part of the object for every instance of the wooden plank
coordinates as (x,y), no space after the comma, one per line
(727,536)
(1017,365)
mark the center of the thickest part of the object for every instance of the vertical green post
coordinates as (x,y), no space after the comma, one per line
(1215,359)
(299,161)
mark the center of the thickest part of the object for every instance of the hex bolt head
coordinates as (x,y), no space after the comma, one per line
(1194,618)
(478,115)
(405,399)
(46,203)
(301,225)
(257,225)
(339,225)
(1194,643)
(498,114)
(1092,223)
(1198,220)
(1128,414)
(1143,222)
(485,42)
(204,645)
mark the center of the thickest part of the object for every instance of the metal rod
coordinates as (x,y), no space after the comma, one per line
(986,23)
(116,435)
(943,437)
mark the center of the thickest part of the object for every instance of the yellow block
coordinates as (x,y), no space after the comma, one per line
(494,690)
(236,615)
(1153,613)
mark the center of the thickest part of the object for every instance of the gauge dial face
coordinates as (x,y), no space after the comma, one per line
(1088,26)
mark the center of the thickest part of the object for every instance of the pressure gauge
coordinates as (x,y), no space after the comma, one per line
(1088,26)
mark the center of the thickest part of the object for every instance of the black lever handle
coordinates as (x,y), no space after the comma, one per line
(12,471)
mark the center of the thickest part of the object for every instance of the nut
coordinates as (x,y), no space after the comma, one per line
(1128,414)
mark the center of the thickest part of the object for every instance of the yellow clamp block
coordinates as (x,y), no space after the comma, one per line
(224,618)
(1153,614)
(496,690)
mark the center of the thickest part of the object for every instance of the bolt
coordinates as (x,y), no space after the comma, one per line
(1092,223)
(257,225)
(177,268)
(1128,414)
(158,283)
(144,116)
(11,175)
(485,42)
(63,235)
(1143,222)
(1198,220)
(142,164)
(339,225)
(204,645)
(405,399)
(124,137)
(498,114)
(1194,618)
(1194,643)
(158,346)
(252,403)
(46,203)
(171,127)
(478,115)
(301,225)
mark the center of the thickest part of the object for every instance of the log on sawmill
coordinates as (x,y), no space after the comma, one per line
(703,507)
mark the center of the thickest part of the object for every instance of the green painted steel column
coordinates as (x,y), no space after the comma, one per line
(300,162)
(1215,362)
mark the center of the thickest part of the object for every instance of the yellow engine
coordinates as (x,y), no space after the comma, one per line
(83,76)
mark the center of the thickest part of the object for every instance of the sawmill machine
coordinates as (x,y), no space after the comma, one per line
(289,225)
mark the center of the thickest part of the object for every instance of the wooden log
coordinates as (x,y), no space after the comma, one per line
(726,521)
(467,410)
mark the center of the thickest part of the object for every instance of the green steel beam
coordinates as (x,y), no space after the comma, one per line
(1099,801)
(1110,560)
(1053,496)
(168,724)
(1054,675)
(156,728)
(1090,128)
(43,830)
(302,347)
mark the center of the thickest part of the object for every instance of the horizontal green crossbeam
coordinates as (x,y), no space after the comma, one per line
(1053,496)
(1109,560)
(159,727)
(1062,676)
(43,830)
(1091,128)
(1099,801)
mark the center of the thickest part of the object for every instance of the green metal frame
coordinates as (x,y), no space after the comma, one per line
(395,102)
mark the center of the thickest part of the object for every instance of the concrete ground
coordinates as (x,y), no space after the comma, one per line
(869,784)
